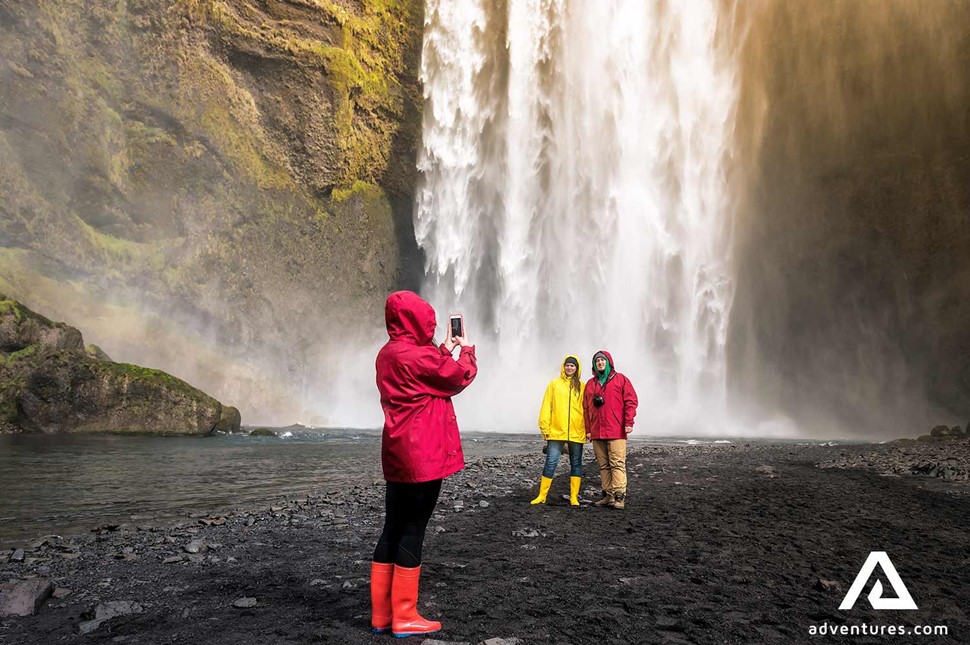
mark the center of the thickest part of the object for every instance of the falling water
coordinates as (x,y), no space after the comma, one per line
(575,196)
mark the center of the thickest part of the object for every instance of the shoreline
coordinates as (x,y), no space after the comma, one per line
(66,485)
(709,529)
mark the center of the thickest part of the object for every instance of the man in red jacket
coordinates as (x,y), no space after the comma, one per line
(419,448)
(609,408)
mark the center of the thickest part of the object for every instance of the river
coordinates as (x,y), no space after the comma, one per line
(64,484)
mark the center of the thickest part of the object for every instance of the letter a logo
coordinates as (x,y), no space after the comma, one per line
(902,601)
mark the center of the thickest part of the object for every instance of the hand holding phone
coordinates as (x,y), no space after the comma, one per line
(456,326)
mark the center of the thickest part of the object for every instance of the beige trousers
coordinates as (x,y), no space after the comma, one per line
(611,457)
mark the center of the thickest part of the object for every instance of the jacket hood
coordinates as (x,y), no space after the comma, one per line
(579,369)
(608,358)
(409,318)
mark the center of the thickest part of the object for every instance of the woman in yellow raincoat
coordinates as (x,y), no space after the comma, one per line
(561,423)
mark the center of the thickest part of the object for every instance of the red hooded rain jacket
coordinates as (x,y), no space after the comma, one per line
(416,381)
(619,409)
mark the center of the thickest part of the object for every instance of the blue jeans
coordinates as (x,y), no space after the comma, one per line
(554,452)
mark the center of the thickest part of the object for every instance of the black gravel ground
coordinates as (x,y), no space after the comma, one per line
(718,544)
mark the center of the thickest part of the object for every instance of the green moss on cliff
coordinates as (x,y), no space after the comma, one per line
(370,199)
(369,102)
(363,61)
(122,253)
(149,375)
(20,312)
(11,359)
(11,389)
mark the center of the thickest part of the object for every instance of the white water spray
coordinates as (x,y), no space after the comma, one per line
(574,198)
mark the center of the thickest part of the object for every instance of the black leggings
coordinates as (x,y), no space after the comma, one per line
(407,509)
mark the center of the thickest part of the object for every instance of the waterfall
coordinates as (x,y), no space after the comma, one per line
(575,196)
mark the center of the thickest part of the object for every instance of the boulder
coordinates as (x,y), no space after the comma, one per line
(229,420)
(24,597)
(942,431)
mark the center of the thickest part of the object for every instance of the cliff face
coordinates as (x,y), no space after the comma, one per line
(214,188)
(853,268)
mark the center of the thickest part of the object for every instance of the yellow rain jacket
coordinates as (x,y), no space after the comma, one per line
(561,416)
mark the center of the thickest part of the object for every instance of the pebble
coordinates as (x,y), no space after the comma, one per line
(526,533)
(244,603)
(827,585)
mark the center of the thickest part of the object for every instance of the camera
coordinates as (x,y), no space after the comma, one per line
(598,401)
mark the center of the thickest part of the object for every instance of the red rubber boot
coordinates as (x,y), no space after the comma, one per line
(404,600)
(381,575)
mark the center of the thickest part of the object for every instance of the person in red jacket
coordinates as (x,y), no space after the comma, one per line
(609,408)
(419,448)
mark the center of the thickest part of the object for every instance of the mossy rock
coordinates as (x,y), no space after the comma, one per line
(263,432)
(20,328)
(49,382)
(96,352)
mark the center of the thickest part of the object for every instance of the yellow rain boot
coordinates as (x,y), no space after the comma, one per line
(544,485)
(574,484)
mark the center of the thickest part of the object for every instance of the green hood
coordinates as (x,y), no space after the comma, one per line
(605,374)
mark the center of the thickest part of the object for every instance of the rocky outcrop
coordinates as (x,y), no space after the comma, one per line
(50,383)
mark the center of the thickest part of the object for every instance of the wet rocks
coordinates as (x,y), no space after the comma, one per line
(947,460)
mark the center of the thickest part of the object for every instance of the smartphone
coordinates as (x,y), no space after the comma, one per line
(457,324)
